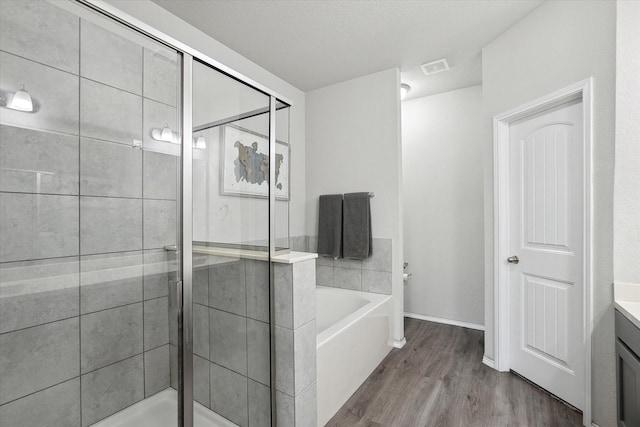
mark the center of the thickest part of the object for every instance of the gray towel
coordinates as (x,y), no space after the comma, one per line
(330,225)
(356,226)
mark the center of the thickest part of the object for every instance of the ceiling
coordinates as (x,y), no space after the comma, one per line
(316,43)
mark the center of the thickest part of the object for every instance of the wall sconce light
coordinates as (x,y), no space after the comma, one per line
(21,101)
(200,143)
(404,90)
(165,134)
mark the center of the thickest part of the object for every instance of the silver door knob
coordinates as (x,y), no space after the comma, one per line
(513,259)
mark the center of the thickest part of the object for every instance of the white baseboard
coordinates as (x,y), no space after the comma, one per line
(594,425)
(445,321)
(401,343)
(489,362)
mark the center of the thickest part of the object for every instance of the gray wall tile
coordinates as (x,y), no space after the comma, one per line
(258,351)
(304,350)
(347,278)
(381,258)
(228,340)
(160,175)
(348,263)
(110,280)
(229,394)
(299,243)
(37,292)
(53,154)
(161,75)
(38,226)
(156,370)
(379,282)
(304,292)
(257,284)
(109,169)
(201,381)
(156,116)
(111,389)
(109,113)
(54,94)
(110,225)
(110,336)
(109,58)
(285,410)
(259,398)
(201,330)
(40,31)
(159,266)
(283,288)
(156,322)
(285,365)
(55,406)
(201,285)
(159,223)
(39,357)
(173,361)
(227,287)
(313,244)
(324,275)
(306,407)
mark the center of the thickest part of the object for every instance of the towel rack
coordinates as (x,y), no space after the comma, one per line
(371,195)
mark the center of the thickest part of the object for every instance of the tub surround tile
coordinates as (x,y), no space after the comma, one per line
(258,357)
(156,370)
(99,216)
(285,361)
(36,358)
(36,226)
(347,278)
(159,223)
(40,31)
(56,155)
(159,271)
(201,285)
(324,275)
(110,280)
(156,322)
(111,389)
(160,175)
(379,282)
(381,258)
(201,381)
(109,114)
(228,340)
(304,292)
(54,94)
(325,261)
(201,330)
(227,287)
(257,284)
(37,292)
(304,349)
(109,58)
(229,394)
(285,410)
(55,406)
(306,414)
(259,397)
(300,243)
(110,336)
(173,362)
(283,288)
(99,175)
(313,244)
(348,263)
(161,75)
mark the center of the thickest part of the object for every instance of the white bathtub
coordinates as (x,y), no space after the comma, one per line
(354,330)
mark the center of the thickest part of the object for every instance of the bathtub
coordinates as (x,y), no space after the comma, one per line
(354,331)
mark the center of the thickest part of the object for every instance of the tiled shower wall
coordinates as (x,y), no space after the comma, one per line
(83,219)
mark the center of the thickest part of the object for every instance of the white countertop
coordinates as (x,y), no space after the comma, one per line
(626,298)
(290,258)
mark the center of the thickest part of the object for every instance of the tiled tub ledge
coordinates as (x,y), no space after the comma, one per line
(289,258)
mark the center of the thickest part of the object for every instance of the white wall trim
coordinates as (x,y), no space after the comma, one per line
(488,361)
(501,123)
(445,321)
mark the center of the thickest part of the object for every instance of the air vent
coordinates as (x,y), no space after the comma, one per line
(435,67)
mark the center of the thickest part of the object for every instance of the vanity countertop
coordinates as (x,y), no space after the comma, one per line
(626,298)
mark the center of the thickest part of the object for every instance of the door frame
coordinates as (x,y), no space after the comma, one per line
(501,123)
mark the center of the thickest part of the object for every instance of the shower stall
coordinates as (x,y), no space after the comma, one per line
(144,191)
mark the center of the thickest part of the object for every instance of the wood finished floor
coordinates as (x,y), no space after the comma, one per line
(438,379)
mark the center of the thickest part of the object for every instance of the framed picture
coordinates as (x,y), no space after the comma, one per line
(245,164)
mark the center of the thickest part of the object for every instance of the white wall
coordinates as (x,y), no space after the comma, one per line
(443,205)
(558,44)
(626,239)
(353,144)
(152,14)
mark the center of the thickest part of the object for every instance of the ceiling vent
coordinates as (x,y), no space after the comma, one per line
(435,67)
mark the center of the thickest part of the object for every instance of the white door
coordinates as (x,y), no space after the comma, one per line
(546,234)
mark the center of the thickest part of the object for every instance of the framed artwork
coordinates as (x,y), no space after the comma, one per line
(245,164)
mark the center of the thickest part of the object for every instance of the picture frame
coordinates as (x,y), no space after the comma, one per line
(245,163)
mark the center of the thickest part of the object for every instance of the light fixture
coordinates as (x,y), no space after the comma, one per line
(200,144)
(404,90)
(21,101)
(165,134)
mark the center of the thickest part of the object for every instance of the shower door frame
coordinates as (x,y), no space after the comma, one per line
(185,228)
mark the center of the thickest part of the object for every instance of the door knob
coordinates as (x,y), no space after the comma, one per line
(513,259)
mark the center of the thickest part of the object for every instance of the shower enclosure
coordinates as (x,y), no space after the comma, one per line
(144,190)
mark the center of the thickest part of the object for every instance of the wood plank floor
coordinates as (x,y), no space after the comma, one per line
(438,379)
